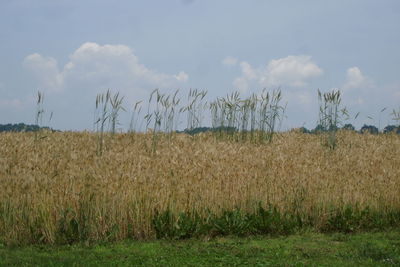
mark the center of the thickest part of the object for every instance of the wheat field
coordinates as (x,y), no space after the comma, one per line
(58,184)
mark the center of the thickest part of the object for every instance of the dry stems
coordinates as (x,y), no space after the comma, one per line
(62,181)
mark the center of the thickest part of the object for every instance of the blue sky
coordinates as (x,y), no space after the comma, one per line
(73,50)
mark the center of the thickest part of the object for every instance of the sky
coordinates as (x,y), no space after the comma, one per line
(73,50)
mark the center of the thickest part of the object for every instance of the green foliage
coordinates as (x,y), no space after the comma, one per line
(229,222)
(349,127)
(198,130)
(22,127)
(272,222)
(232,222)
(68,228)
(391,129)
(305,130)
(166,225)
(268,221)
(371,250)
(352,219)
(369,129)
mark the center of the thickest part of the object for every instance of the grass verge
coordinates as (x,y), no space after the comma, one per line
(306,249)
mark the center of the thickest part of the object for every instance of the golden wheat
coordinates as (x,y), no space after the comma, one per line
(62,177)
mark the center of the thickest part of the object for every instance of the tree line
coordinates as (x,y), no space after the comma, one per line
(22,127)
(364,129)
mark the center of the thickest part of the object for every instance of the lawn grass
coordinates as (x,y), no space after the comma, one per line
(305,249)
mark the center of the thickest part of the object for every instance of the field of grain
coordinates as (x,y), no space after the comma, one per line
(58,189)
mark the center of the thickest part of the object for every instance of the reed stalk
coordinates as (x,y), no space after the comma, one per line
(331,115)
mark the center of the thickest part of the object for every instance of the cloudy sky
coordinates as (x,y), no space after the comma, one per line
(73,50)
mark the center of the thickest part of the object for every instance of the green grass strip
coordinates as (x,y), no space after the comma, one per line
(306,249)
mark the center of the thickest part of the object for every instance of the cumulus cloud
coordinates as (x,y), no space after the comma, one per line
(45,70)
(182,77)
(100,66)
(292,71)
(248,72)
(229,61)
(356,80)
(358,89)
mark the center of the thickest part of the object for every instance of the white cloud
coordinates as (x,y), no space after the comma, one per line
(99,67)
(181,77)
(292,71)
(45,69)
(248,75)
(359,90)
(248,72)
(229,61)
(356,80)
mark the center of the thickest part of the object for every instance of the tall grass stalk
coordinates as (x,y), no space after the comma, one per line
(380,114)
(133,125)
(101,117)
(40,111)
(331,115)
(396,116)
(235,117)
(270,113)
(155,117)
(195,108)
(170,113)
(107,109)
(116,107)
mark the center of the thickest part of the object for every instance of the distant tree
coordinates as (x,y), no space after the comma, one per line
(304,130)
(321,129)
(318,129)
(391,129)
(369,129)
(21,127)
(349,127)
(197,130)
(209,129)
